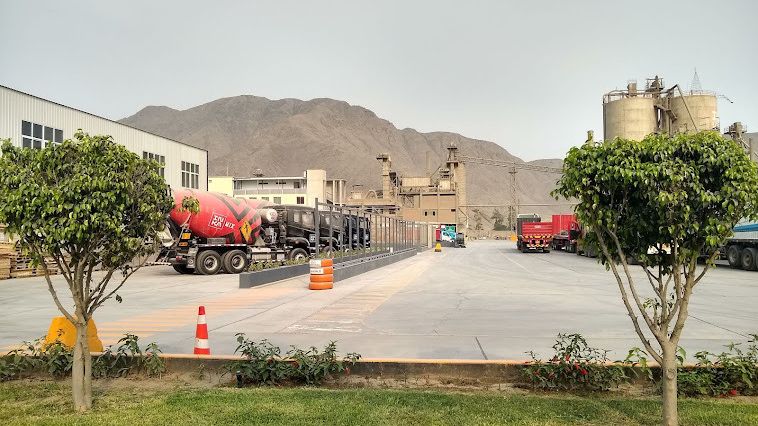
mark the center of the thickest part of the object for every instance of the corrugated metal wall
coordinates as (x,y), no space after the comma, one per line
(16,107)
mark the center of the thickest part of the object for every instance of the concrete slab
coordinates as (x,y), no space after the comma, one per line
(485,301)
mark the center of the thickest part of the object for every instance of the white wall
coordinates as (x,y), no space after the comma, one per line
(17,106)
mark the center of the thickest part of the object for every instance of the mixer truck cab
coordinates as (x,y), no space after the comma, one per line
(357,232)
(295,231)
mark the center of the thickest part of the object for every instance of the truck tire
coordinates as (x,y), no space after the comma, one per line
(298,254)
(183,269)
(750,259)
(234,261)
(734,256)
(208,262)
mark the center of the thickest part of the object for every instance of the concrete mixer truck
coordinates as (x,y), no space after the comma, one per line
(226,234)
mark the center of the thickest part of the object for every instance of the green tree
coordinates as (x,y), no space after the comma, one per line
(662,202)
(497,219)
(89,204)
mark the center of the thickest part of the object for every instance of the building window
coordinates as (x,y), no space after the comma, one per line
(281,182)
(434,213)
(426,213)
(237,184)
(190,175)
(160,159)
(301,200)
(277,200)
(264,198)
(296,185)
(38,136)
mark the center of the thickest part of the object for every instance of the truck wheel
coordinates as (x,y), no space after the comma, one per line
(298,254)
(734,256)
(183,269)
(234,261)
(208,262)
(750,259)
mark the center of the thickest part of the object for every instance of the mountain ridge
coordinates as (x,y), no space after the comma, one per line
(286,136)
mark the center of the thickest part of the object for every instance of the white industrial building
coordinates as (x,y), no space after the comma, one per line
(32,122)
(291,190)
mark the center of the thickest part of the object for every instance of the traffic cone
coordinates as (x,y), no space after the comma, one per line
(201,334)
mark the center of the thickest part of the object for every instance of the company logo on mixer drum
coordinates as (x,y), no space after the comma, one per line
(219,222)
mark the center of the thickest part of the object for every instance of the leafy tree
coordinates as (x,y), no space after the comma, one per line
(88,204)
(662,202)
(497,219)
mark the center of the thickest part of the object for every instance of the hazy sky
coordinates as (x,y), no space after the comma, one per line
(528,75)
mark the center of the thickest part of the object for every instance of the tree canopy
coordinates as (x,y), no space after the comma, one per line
(90,201)
(89,204)
(663,202)
(685,192)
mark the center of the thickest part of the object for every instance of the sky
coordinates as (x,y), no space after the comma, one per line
(528,75)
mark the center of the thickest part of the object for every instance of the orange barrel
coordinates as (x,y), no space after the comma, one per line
(322,274)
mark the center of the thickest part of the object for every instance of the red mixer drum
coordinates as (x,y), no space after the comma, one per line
(237,220)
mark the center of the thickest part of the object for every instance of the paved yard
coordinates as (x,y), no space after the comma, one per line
(485,301)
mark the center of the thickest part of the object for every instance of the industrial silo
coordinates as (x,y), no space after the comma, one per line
(629,117)
(691,113)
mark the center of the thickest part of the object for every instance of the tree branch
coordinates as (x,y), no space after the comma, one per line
(625,299)
(633,288)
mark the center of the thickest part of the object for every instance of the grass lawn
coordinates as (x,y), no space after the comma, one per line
(172,402)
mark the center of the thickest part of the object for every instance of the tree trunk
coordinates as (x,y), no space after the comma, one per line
(668,376)
(81,373)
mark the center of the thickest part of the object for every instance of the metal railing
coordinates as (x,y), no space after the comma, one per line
(359,232)
(267,191)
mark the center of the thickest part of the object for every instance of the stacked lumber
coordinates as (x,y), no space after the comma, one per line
(15,264)
(21,266)
(7,250)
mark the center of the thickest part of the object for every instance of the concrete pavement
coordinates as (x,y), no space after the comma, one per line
(487,301)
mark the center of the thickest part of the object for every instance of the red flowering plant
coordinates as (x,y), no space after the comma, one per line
(575,366)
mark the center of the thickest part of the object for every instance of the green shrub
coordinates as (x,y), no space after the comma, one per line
(57,360)
(263,363)
(729,373)
(575,366)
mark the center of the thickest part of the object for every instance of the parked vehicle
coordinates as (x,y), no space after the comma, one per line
(520,221)
(536,236)
(741,250)
(460,240)
(566,232)
(221,236)
(229,233)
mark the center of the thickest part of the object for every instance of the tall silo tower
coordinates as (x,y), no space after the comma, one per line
(633,114)
(629,114)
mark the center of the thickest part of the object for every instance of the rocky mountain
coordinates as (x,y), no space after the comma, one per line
(287,136)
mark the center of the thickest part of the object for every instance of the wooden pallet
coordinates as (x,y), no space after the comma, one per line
(14,264)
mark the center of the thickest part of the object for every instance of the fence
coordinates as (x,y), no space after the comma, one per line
(361,232)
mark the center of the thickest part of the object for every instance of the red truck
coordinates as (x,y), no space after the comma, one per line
(536,236)
(566,232)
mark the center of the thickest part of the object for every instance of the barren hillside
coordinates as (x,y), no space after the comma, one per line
(287,136)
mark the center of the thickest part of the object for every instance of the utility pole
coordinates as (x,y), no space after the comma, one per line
(513,208)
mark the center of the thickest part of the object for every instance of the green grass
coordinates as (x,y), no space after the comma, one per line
(133,402)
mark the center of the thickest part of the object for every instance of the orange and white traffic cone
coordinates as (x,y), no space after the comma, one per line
(201,334)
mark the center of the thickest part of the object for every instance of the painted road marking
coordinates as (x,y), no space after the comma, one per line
(348,313)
